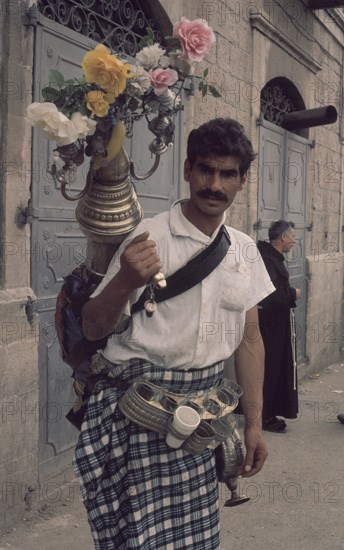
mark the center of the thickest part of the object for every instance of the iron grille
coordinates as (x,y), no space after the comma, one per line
(119,24)
(274,103)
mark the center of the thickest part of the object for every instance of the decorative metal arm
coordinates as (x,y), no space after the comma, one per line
(149,173)
(163,128)
(72,156)
(60,177)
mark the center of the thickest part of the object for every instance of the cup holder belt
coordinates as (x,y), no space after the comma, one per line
(152,407)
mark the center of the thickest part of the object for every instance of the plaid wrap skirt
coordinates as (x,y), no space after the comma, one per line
(139,493)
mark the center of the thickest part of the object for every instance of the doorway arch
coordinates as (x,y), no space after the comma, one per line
(278,97)
(282,183)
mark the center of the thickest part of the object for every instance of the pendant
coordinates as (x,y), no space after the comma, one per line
(150,307)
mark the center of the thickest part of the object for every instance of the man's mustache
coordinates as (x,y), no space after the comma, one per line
(207,193)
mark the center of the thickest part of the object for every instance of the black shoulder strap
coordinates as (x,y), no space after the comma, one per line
(192,273)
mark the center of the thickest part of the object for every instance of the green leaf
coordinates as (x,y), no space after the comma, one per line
(204,90)
(70,89)
(55,77)
(200,85)
(150,33)
(214,92)
(83,110)
(205,72)
(50,94)
(60,102)
(145,41)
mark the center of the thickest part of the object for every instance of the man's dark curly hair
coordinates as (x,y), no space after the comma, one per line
(221,137)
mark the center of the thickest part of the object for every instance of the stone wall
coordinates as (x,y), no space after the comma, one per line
(324,309)
(19,403)
(18,340)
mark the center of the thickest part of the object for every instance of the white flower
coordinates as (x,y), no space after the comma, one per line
(164,62)
(150,56)
(139,83)
(56,126)
(83,125)
(47,117)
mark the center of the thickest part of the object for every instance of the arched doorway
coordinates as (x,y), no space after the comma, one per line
(278,97)
(282,183)
(64,31)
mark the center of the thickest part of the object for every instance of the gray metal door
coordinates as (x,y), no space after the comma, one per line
(57,243)
(282,195)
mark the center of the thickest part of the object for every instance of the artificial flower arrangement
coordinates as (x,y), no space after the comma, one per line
(80,115)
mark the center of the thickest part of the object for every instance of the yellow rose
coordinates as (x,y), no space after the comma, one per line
(106,70)
(96,103)
(109,97)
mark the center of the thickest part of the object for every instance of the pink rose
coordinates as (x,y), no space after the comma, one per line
(161,79)
(196,38)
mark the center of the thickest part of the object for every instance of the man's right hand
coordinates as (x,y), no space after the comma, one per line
(298,293)
(139,261)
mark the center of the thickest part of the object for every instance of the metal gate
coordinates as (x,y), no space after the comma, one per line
(57,243)
(282,195)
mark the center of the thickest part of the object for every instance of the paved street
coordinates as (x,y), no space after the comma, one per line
(297,502)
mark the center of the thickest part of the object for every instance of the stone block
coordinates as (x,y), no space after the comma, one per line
(19,424)
(324,308)
(15,326)
(19,367)
(223,53)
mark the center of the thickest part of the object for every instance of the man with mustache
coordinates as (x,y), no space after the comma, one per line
(140,493)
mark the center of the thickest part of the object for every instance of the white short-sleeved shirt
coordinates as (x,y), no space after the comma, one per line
(203,325)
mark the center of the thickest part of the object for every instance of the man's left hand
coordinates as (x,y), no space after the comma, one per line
(256,451)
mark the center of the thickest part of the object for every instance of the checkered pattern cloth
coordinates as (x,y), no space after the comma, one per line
(139,493)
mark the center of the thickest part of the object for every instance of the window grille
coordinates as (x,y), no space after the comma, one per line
(274,103)
(119,24)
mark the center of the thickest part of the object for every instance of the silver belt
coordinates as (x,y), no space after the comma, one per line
(152,407)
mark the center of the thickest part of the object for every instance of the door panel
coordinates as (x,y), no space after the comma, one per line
(282,195)
(295,210)
(271,174)
(57,235)
(295,178)
(59,246)
(57,242)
